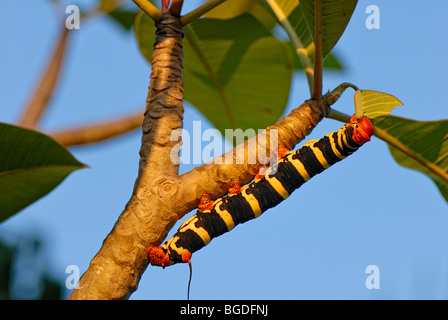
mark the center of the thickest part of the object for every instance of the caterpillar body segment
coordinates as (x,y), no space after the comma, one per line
(291,171)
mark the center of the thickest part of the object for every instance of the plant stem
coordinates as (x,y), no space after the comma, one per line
(318,58)
(149,9)
(199,12)
(97,132)
(298,45)
(334,95)
(339,116)
(176,7)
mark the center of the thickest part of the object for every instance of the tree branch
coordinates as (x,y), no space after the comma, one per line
(160,197)
(116,269)
(150,9)
(199,12)
(44,90)
(98,132)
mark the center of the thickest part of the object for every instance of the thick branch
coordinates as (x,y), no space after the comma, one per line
(116,269)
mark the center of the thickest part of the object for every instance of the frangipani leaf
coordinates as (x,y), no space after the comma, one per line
(375,103)
(418,145)
(335,16)
(31,165)
(296,19)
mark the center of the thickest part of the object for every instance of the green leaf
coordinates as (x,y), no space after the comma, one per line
(418,145)
(335,16)
(124,18)
(297,20)
(233,8)
(375,103)
(230,9)
(108,5)
(331,62)
(235,72)
(31,165)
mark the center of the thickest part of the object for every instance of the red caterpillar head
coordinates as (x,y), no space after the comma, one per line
(362,131)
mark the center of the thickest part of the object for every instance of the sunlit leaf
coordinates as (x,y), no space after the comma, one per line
(375,103)
(418,145)
(335,16)
(230,9)
(233,8)
(31,165)
(294,14)
(108,5)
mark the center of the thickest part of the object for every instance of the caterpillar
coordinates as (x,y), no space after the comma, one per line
(293,169)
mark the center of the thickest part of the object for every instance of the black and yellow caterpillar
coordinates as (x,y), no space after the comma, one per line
(293,170)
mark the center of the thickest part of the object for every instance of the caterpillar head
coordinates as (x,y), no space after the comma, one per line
(362,130)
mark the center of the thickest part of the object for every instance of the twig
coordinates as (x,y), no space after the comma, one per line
(199,12)
(150,9)
(176,7)
(44,90)
(98,132)
(318,58)
(47,84)
(339,116)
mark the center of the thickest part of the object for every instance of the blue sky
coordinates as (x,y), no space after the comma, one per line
(367,210)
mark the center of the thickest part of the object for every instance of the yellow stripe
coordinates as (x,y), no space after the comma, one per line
(310,143)
(253,202)
(344,137)
(278,187)
(201,232)
(225,215)
(299,167)
(320,157)
(334,148)
(171,246)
